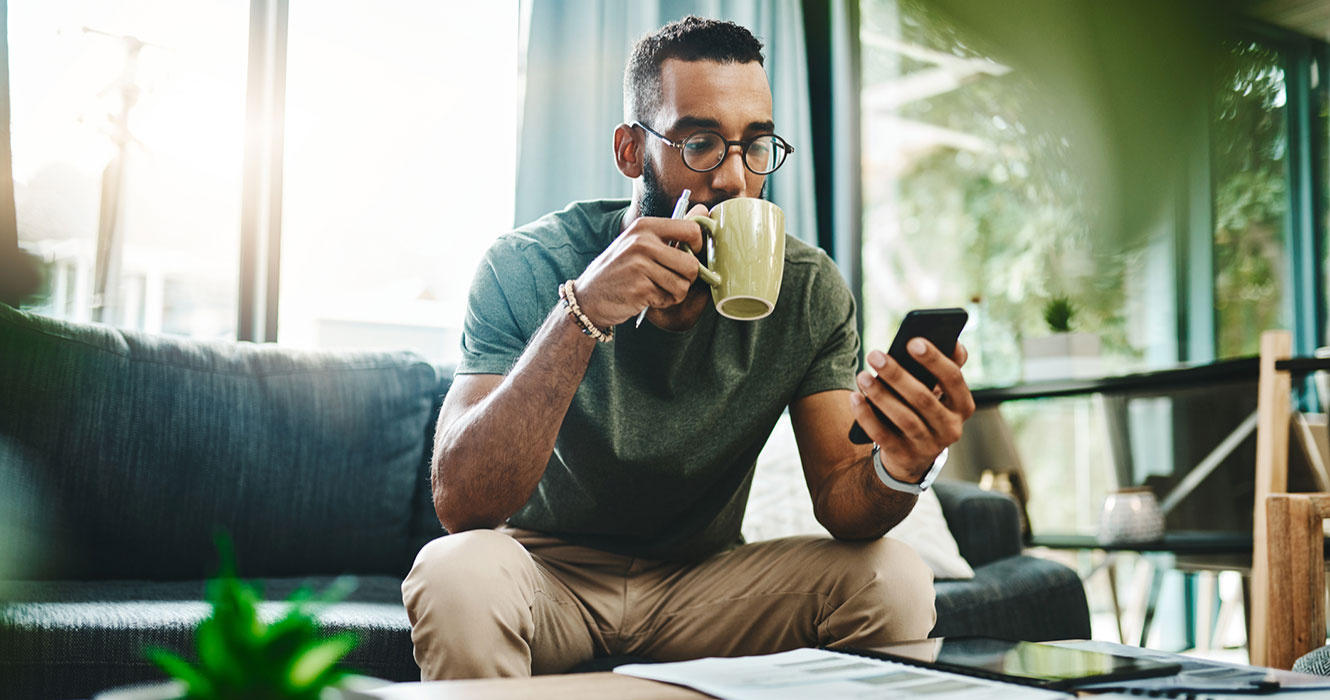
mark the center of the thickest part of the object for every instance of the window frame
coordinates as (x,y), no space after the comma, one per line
(9,249)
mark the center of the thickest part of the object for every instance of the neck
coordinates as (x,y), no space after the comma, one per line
(634,213)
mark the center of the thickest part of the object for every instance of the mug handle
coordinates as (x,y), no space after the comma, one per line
(708,225)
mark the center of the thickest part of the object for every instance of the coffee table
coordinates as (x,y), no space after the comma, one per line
(614,686)
(577,686)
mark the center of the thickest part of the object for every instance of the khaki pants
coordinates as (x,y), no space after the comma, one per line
(488,603)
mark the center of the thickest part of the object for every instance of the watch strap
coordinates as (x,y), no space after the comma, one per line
(895,484)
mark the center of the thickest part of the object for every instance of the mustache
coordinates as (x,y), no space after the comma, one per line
(711,204)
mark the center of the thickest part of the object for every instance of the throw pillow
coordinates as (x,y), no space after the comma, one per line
(779,506)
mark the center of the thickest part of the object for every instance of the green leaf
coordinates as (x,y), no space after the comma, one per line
(243,658)
(316,660)
(196,684)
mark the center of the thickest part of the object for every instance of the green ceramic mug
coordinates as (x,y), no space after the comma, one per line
(745,256)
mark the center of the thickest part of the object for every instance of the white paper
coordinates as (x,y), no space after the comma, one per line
(818,673)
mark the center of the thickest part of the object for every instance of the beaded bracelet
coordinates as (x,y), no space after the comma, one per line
(575,313)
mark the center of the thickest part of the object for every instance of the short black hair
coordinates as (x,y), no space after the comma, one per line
(689,39)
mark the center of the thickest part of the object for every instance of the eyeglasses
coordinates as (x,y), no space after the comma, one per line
(705,150)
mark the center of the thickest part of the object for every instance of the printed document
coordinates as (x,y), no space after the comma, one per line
(819,673)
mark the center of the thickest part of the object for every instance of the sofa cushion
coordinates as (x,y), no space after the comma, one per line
(425,524)
(67,639)
(986,524)
(151,443)
(1019,597)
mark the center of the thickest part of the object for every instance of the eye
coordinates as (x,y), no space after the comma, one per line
(701,143)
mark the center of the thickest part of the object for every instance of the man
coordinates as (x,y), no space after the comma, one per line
(595,490)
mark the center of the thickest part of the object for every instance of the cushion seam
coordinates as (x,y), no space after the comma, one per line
(274,373)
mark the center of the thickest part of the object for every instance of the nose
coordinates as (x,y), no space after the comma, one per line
(730,178)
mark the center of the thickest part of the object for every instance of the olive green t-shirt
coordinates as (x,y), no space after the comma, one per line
(656,454)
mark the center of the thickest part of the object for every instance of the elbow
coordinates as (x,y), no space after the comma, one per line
(455,514)
(456,509)
(853,527)
(848,533)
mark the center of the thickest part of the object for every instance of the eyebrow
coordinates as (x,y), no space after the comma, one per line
(709,123)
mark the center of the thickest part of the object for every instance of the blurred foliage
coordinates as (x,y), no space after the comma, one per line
(1058,313)
(1012,220)
(1249,164)
(240,657)
(1083,150)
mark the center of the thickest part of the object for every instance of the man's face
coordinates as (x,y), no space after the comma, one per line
(731,98)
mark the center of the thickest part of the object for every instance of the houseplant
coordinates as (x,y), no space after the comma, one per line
(240,656)
(1063,354)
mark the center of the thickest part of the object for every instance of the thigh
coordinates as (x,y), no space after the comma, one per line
(784,594)
(481,590)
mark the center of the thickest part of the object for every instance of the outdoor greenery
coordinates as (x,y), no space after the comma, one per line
(1251,199)
(1058,312)
(978,190)
(998,214)
(240,657)
(1004,224)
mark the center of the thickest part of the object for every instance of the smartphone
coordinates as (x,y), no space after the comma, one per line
(941,327)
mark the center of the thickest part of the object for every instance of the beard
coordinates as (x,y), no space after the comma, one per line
(657,202)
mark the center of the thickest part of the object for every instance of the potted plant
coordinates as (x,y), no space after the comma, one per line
(1063,354)
(241,656)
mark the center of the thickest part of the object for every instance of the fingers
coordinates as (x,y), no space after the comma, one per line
(934,416)
(676,230)
(671,285)
(904,400)
(948,373)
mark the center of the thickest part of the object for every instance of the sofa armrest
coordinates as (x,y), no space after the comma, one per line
(986,525)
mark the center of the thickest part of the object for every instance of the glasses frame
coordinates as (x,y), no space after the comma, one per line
(743,145)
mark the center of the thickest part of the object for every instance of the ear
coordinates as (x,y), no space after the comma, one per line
(627,151)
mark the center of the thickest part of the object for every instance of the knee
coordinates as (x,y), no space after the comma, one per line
(896,582)
(462,569)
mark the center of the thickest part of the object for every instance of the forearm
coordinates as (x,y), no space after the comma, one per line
(855,505)
(489,459)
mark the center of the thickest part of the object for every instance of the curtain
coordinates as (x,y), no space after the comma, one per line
(575,56)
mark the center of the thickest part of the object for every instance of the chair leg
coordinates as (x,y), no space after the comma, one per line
(1205,605)
(1156,583)
(1111,570)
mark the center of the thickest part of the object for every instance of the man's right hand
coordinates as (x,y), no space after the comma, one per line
(641,269)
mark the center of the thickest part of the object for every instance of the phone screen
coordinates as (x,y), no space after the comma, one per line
(941,327)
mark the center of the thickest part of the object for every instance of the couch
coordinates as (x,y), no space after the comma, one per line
(125,452)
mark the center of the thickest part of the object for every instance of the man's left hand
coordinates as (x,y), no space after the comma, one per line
(925,421)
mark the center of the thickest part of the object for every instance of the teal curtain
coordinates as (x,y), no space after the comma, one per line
(573,99)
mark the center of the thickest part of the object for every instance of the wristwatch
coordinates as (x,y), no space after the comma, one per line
(892,483)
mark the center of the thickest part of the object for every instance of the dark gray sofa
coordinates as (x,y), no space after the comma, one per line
(121,454)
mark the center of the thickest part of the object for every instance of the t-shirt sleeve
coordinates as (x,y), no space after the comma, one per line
(493,336)
(833,332)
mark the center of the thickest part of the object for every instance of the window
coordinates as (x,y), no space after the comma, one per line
(127,124)
(400,167)
(971,199)
(1251,197)
(969,202)
(400,145)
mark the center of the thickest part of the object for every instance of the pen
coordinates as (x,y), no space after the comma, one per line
(680,207)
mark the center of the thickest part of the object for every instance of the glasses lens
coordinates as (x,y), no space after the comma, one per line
(703,150)
(764,154)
